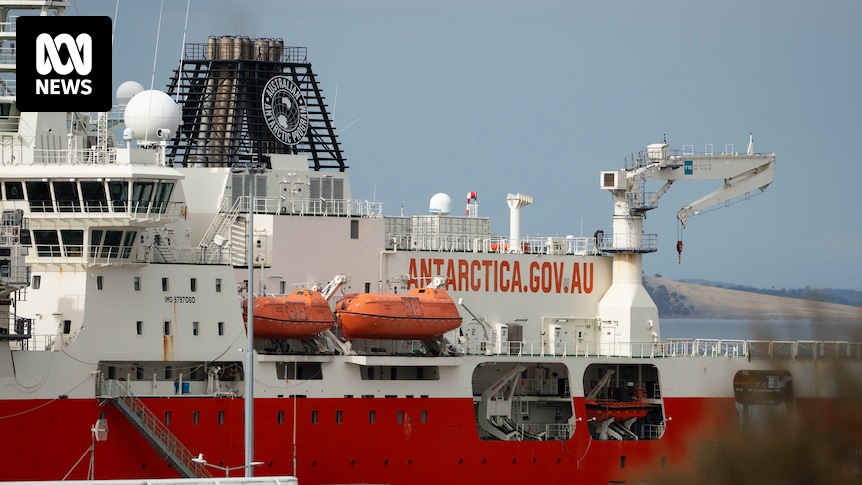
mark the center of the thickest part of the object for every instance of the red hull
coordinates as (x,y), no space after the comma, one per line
(412,452)
(421,314)
(300,315)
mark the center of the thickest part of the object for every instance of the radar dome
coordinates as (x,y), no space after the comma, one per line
(441,204)
(127,91)
(149,114)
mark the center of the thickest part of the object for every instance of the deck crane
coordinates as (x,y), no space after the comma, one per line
(626,310)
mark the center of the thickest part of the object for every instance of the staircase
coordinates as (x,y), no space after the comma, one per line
(221,230)
(153,429)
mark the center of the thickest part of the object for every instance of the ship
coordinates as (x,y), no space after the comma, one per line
(175,280)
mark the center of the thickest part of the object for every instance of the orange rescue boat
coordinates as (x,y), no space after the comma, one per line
(421,314)
(301,314)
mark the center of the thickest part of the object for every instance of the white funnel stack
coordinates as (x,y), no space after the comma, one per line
(516,201)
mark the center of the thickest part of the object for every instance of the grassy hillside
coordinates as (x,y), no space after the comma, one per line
(686,300)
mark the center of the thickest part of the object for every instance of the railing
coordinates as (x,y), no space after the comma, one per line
(667,348)
(115,390)
(306,207)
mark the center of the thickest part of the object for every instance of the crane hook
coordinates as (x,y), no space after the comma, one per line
(679,250)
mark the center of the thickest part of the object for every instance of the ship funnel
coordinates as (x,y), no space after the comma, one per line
(516,201)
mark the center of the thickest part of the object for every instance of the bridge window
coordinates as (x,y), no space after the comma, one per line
(14,191)
(119,193)
(94,197)
(39,194)
(128,241)
(163,195)
(142,193)
(66,194)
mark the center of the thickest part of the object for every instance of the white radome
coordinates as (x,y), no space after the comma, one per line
(149,113)
(127,91)
(440,204)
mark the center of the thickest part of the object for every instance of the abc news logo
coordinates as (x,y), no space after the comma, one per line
(64,64)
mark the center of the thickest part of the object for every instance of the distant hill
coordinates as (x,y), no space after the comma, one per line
(827,295)
(688,300)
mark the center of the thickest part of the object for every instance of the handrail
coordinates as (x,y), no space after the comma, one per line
(117,391)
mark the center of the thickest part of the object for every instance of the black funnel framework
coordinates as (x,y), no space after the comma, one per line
(219,87)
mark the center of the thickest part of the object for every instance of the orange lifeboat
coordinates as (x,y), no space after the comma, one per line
(626,404)
(302,314)
(421,314)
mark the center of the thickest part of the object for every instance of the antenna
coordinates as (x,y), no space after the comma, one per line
(182,46)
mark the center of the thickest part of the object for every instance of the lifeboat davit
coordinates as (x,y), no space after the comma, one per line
(421,314)
(301,314)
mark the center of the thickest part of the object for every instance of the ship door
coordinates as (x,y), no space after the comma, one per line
(516,338)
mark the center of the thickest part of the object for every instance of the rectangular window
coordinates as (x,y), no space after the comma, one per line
(37,281)
(142,194)
(282,285)
(98,282)
(93,195)
(67,327)
(193,283)
(299,370)
(119,193)
(195,417)
(39,194)
(164,284)
(167,418)
(338,417)
(47,243)
(221,417)
(400,417)
(371,416)
(354,229)
(137,281)
(218,285)
(194,328)
(280,417)
(139,327)
(139,371)
(14,191)
(66,194)
(163,194)
(314,417)
(111,244)
(128,241)
(167,328)
(424,416)
(73,242)
(169,371)
(221,328)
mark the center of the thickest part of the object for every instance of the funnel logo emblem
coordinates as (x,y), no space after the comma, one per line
(284,110)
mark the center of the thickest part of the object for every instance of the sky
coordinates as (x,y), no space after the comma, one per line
(539,97)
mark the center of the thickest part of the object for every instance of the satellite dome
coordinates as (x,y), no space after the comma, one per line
(440,204)
(152,115)
(127,91)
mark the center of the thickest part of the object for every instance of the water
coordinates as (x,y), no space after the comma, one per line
(761,329)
